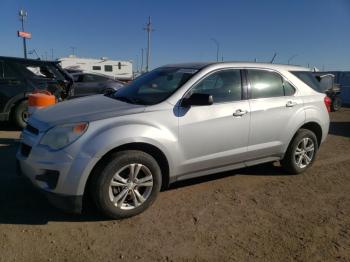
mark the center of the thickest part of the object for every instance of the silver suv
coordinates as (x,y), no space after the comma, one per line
(176,122)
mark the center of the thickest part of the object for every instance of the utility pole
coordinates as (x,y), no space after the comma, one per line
(141,60)
(30,52)
(51,54)
(73,50)
(217,48)
(273,58)
(149,30)
(22,16)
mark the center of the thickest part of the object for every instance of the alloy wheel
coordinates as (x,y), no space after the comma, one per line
(304,152)
(131,186)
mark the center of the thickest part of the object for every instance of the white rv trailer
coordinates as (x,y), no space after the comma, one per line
(121,70)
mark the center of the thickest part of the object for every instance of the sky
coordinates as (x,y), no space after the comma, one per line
(306,32)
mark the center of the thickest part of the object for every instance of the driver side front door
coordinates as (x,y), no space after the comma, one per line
(215,136)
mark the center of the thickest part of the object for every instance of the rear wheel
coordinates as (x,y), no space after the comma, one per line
(20,114)
(127,185)
(301,152)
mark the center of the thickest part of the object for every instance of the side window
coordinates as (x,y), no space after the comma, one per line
(265,84)
(8,72)
(1,70)
(288,88)
(96,68)
(108,68)
(224,86)
(89,78)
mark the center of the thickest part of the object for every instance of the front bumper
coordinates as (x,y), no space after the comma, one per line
(67,203)
(60,175)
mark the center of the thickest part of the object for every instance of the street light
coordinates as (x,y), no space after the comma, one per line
(217,48)
(290,59)
(22,16)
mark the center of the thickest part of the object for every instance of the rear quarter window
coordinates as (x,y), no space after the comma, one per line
(308,78)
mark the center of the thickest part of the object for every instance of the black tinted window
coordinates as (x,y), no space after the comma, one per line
(7,71)
(93,78)
(308,78)
(265,84)
(96,68)
(1,69)
(108,68)
(224,86)
(288,88)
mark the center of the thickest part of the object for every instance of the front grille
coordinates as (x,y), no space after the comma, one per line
(32,130)
(25,150)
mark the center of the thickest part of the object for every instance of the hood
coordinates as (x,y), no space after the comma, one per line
(87,109)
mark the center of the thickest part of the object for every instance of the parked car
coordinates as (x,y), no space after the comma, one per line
(91,84)
(328,86)
(19,77)
(173,123)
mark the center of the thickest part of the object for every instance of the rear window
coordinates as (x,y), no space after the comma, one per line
(308,78)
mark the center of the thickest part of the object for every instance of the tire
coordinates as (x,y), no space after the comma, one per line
(20,114)
(336,104)
(296,151)
(116,171)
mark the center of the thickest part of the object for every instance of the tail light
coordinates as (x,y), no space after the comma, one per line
(328,102)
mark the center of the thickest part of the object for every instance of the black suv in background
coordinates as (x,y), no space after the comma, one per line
(19,77)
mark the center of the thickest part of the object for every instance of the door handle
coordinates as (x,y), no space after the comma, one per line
(240,112)
(290,104)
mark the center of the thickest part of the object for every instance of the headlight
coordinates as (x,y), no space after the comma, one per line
(63,135)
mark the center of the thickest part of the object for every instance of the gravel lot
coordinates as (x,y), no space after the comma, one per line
(250,214)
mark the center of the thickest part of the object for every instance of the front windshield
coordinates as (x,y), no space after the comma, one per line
(155,86)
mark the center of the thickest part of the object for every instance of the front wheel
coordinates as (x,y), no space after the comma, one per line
(127,185)
(301,152)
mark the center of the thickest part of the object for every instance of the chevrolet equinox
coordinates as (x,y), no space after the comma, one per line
(173,123)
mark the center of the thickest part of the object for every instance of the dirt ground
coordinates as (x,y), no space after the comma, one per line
(253,214)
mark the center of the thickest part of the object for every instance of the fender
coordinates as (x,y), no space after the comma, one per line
(104,141)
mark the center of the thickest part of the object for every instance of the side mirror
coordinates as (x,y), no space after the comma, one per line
(198,100)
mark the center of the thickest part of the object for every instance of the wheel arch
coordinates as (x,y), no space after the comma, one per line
(14,101)
(150,149)
(312,126)
(315,128)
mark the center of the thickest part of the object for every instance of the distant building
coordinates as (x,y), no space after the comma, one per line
(121,70)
